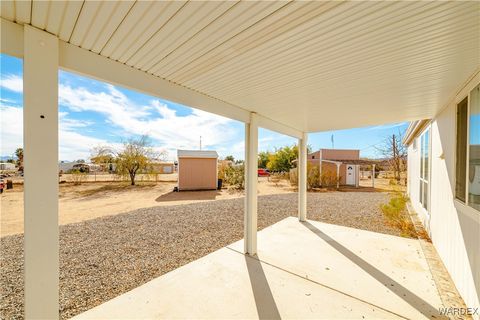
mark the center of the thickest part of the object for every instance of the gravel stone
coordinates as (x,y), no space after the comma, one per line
(105,257)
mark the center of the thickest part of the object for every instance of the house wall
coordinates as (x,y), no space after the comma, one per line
(332,154)
(197,173)
(454,228)
(335,154)
(332,168)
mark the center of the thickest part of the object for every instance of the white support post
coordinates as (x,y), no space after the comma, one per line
(357,176)
(338,174)
(320,168)
(40,138)
(302,178)
(251,179)
(373,176)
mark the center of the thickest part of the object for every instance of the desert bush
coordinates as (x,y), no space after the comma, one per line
(223,167)
(313,174)
(78,177)
(293,177)
(277,177)
(396,215)
(329,178)
(233,176)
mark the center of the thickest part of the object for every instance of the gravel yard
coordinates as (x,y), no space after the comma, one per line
(105,257)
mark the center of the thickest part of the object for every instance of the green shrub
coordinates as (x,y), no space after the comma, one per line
(78,176)
(233,176)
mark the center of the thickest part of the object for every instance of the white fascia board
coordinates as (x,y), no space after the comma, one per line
(413,129)
(11,38)
(273,125)
(89,64)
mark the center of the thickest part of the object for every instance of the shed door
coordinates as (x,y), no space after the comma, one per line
(350,174)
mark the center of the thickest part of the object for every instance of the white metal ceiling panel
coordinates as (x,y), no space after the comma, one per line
(89,15)
(308,65)
(191,18)
(119,14)
(23,11)
(239,17)
(69,18)
(55,16)
(153,19)
(7,10)
(40,13)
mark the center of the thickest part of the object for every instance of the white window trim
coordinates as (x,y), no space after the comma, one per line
(464,206)
(426,211)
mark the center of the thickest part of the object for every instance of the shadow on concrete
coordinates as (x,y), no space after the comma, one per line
(408,296)
(266,306)
(188,195)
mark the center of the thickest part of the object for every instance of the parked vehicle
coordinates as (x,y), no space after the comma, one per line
(263,173)
(2,185)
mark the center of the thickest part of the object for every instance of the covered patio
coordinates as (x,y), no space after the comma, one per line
(307,270)
(291,67)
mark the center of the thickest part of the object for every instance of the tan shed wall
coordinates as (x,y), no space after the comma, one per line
(197,174)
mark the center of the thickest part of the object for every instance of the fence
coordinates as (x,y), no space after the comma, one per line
(107,177)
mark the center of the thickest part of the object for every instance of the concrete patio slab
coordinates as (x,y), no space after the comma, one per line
(303,270)
(381,269)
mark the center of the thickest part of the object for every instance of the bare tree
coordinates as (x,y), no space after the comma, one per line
(395,153)
(136,155)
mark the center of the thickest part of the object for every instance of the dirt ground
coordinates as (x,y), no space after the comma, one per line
(97,199)
(93,200)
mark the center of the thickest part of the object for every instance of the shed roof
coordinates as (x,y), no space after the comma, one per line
(197,154)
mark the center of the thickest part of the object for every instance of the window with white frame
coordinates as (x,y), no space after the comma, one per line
(424,167)
(467,177)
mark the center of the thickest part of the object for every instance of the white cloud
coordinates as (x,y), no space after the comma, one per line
(11,132)
(156,120)
(168,130)
(73,145)
(12,82)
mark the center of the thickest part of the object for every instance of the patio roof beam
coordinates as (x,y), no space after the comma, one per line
(90,64)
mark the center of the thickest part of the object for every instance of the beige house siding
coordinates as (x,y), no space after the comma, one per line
(197,173)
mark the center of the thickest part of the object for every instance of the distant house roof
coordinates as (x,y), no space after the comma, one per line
(197,154)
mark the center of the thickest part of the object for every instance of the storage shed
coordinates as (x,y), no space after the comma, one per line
(197,170)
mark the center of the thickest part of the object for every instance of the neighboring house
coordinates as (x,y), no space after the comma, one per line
(342,161)
(163,167)
(65,167)
(7,166)
(444,186)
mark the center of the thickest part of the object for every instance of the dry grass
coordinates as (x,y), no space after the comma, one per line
(113,187)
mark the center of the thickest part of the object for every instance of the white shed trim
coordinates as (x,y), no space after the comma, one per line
(197,154)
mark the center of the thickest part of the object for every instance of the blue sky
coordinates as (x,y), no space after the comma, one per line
(94,113)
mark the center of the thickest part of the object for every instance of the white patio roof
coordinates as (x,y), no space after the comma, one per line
(301,66)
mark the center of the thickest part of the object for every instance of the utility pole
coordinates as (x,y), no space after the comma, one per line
(395,160)
(200,142)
